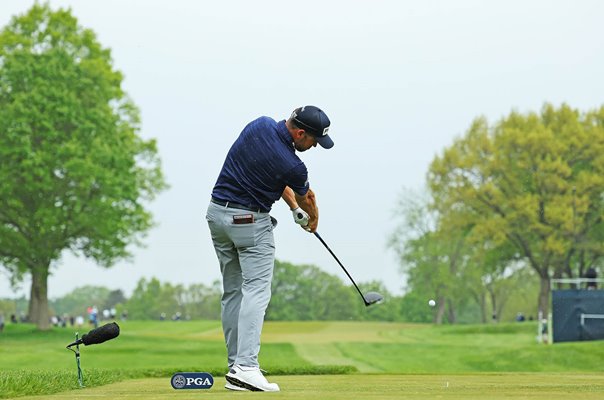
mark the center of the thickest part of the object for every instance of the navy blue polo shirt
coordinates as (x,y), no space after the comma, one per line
(259,165)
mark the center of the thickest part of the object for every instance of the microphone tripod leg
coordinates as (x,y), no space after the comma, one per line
(77,356)
(80,376)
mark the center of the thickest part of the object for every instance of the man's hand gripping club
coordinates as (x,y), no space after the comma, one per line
(304,208)
(301,218)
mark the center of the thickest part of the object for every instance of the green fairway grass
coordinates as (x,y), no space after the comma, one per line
(532,386)
(33,363)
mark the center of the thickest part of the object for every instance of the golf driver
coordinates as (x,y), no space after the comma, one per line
(369,298)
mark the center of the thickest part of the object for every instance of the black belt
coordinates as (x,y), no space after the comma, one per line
(230,204)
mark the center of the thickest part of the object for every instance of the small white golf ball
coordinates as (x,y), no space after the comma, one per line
(431,303)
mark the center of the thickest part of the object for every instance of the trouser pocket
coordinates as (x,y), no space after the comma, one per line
(243,235)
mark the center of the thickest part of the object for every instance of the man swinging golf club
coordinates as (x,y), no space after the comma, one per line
(260,168)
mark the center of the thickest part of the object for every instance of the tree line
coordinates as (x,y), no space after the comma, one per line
(299,293)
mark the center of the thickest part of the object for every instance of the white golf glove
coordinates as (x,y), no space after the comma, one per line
(300,217)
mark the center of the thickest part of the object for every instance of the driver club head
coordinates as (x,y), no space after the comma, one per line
(372,298)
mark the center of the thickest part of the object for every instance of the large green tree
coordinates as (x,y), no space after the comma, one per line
(533,181)
(74,174)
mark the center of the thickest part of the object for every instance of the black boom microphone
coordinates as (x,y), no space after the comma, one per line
(98,335)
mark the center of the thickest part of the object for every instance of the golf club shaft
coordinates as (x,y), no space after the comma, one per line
(336,258)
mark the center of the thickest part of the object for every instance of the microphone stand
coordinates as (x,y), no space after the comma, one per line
(77,356)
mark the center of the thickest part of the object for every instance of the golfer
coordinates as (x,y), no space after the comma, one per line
(260,168)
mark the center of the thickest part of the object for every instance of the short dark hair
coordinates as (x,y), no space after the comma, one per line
(293,123)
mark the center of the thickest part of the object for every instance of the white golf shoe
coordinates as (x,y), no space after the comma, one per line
(230,386)
(250,378)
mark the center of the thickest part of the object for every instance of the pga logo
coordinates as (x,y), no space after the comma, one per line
(192,380)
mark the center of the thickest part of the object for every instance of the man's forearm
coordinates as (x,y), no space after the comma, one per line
(289,197)
(309,204)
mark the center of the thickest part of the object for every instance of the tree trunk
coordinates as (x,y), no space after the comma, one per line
(494,315)
(440,312)
(452,316)
(483,308)
(544,293)
(38,300)
(481,301)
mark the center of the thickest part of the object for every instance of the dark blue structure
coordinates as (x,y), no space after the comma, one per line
(577,314)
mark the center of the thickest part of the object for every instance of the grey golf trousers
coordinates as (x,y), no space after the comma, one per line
(246,253)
